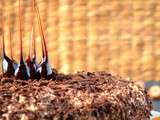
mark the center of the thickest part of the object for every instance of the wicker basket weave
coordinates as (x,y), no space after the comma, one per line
(121,36)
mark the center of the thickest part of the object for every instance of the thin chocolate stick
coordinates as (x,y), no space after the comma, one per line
(30,46)
(33,35)
(44,47)
(33,43)
(3,44)
(10,39)
(20,27)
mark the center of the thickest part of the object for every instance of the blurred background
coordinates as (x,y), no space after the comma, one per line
(118,36)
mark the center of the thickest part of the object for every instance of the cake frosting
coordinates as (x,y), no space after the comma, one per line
(84,95)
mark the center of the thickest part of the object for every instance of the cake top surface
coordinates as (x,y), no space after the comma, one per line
(77,93)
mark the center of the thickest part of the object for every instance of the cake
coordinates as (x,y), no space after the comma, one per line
(32,91)
(80,96)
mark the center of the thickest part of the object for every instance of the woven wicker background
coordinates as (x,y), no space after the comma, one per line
(120,36)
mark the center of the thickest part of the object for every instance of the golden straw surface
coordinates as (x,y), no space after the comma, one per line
(120,36)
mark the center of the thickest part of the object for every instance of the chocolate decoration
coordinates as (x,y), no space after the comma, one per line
(15,65)
(31,62)
(7,63)
(22,72)
(44,69)
(80,96)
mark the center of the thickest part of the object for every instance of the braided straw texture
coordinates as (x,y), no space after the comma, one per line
(120,36)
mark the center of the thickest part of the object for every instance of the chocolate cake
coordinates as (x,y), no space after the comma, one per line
(81,96)
(32,91)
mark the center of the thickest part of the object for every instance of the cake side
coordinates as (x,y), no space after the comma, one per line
(83,95)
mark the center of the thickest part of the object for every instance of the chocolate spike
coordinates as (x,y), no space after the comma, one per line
(10,40)
(3,44)
(45,52)
(22,72)
(20,28)
(15,65)
(44,69)
(31,62)
(33,48)
(33,45)
(29,53)
(33,36)
(28,61)
(7,63)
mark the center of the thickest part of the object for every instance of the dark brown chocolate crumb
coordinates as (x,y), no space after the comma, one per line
(85,95)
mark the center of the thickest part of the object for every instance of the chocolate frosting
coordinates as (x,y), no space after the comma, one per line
(84,95)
